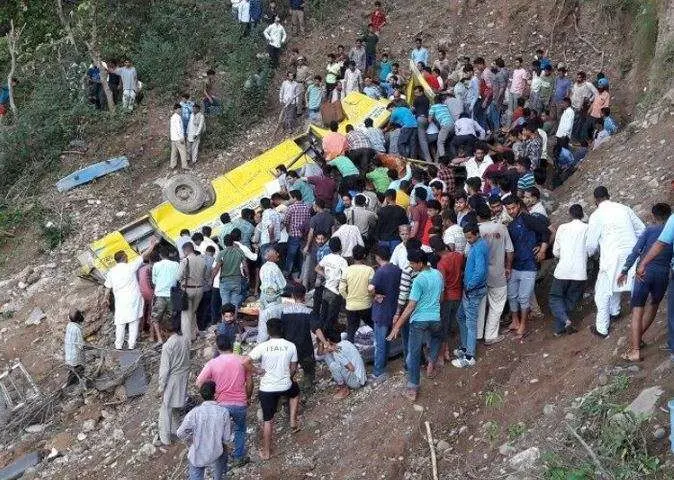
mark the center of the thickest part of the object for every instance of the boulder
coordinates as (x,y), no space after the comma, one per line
(646,401)
(526,459)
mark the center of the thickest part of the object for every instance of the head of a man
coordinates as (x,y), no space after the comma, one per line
(207,391)
(513,205)
(404,233)
(600,194)
(531,196)
(417,259)
(272,255)
(472,233)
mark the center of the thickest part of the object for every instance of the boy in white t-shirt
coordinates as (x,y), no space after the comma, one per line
(278,362)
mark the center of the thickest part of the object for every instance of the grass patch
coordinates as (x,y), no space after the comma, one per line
(615,434)
(516,430)
(493,399)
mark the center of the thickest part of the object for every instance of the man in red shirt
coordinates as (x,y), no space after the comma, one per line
(450,265)
(378,17)
(233,389)
(419,213)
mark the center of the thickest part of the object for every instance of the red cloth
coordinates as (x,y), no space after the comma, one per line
(419,215)
(451,266)
(377,19)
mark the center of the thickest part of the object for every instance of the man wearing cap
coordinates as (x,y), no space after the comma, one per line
(613,229)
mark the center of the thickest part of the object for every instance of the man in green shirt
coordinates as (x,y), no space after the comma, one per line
(370,39)
(347,169)
(379,176)
(230,263)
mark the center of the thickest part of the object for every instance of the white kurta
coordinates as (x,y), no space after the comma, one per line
(124,284)
(614,229)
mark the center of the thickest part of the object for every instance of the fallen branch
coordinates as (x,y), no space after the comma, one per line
(434,461)
(72,152)
(589,450)
(13,39)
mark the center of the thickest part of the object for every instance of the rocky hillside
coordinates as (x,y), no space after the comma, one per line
(507,417)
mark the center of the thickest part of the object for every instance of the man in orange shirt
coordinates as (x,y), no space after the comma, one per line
(334,143)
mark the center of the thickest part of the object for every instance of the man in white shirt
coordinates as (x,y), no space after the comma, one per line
(477,165)
(466,132)
(569,278)
(288,96)
(330,268)
(177,136)
(243,15)
(565,126)
(122,281)
(195,127)
(278,362)
(163,278)
(349,235)
(353,79)
(613,229)
(129,83)
(276,36)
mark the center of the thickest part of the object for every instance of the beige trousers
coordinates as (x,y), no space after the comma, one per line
(178,148)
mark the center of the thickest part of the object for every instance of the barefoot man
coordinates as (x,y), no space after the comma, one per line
(278,362)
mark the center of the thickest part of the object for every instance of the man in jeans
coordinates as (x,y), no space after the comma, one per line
(384,286)
(207,429)
(570,275)
(423,313)
(474,290)
(233,390)
(296,221)
(229,263)
(529,235)
(353,287)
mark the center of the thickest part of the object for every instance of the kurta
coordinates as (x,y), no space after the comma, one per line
(124,284)
(174,370)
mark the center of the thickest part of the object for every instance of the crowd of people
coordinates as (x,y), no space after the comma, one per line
(434,224)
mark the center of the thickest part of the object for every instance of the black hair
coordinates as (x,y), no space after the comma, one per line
(368,122)
(475,183)
(184,231)
(198,237)
(661,211)
(576,211)
(417,256)
(225,218)
(207,391)
(601,193)
(437,244)
(359,252)
(421,193)
(275,327)
(383,252)
(78,317)
(471,228)
(228,240)
(224,343)
(228,308)
(335,245)
(296,194)
(341,218)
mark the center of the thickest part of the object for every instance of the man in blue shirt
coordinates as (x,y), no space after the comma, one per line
(651,283)
(474,290)
(420,53)
(402,115)
(530,236)
(423,312)
(384,286)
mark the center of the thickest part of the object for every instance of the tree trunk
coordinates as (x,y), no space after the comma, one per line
(66,24)
(13,38)
(95,55)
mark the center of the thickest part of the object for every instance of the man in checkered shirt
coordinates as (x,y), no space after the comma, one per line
(296,221)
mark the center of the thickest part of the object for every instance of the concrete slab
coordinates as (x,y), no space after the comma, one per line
(136,383)
(15,470)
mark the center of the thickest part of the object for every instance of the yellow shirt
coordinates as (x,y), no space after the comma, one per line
(353,287)
(402,199)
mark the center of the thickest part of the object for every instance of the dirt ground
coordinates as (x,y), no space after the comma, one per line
(375,433)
